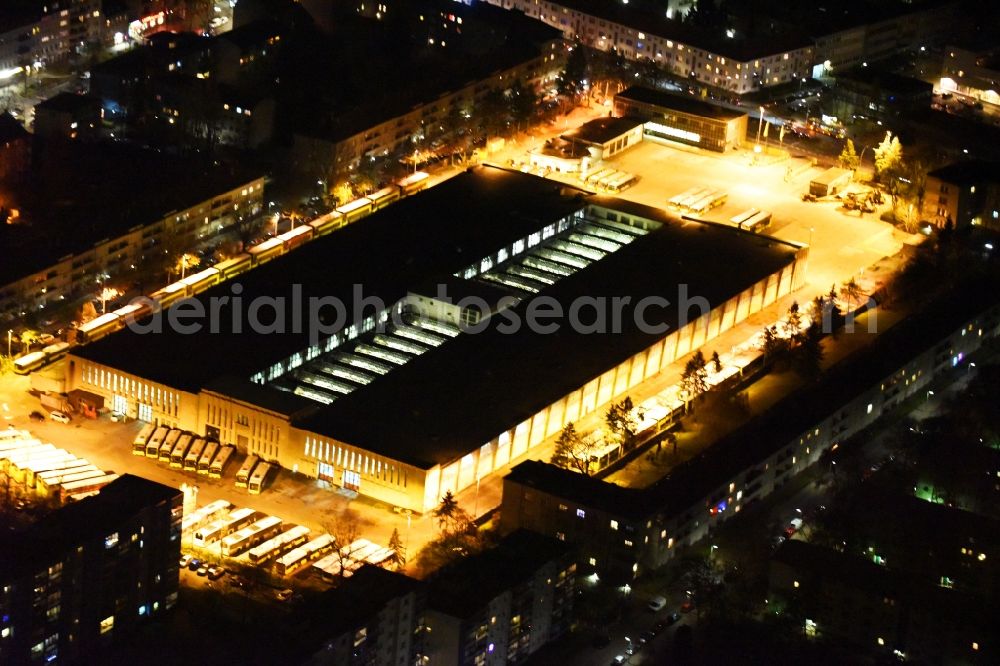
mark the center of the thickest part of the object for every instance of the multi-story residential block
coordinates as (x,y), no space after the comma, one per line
(503,605)
(882,608)
(374,618)
(127,207)
(621,530)
(89,573)
(68,116)
(640,30)
(962,194)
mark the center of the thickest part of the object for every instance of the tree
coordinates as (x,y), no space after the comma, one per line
(888,158)
(184,262)
(851,292)
(808,356)
(87,311)
(849,157)
(773,345)
(28,338)
(695,376)
(572,77)
(523,103)
(572,450)
(345,528)
(446,511)
(793,323)
(398,549)
(716,362)
(621,422)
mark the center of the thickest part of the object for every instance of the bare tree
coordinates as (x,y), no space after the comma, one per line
(345,528)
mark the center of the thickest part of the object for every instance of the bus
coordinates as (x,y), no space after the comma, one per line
(168,445)
(309,552)
(744,216)
(380,557)
(355,210)
(243,476)
(211,532)
(205,460)
(758,222)
(194,455)
(384,197)
(620,183)
(204,515)
(267,250)
(413,183)
(200,281)
(326,223)
(293,238)
(153,445)
(132,312)
(98,327)
(139,443)
(84,486)
(232,267)
(55,351)
(180,450)
(218,466)
(258,478)
(29,363)
(699,194)
(250,536)
(678,198)
(170,294)
(239,519)
(277,545)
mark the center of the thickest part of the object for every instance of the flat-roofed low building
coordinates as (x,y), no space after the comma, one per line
(398,402)
(683,119)
(584,148)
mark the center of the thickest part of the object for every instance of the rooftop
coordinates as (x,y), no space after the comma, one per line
(67,102)
(883,82)
(514,561)
(968,172)
(357,600)
(682,103)
(649,16)
(827,17)
(434,233)
(11,129)
(601,130)
(486,381)
(690,483)
(79,194)
(81,521)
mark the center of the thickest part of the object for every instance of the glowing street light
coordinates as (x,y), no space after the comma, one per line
(105,295)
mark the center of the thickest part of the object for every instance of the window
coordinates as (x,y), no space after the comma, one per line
(580,513)
(111,540)
(107,624)
(614,524)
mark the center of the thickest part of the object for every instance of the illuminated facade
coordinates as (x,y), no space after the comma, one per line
(680,118)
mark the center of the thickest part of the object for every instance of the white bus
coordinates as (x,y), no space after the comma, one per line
(758,222)
(194,455)
(205,461)
(180,450)
(315,549)
(218,466)
(258,478)
(211,532)
(243,476)
(153,445)
(250,536)
(29,363)
(139,443)
(168,445)
(277,545)
(204,515)
(678,198)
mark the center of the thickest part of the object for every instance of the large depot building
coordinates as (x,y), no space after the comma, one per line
(402,404)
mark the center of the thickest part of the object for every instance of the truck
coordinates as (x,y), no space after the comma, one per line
(830,182)
(56,402)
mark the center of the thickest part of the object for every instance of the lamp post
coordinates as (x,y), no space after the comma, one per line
(10,333)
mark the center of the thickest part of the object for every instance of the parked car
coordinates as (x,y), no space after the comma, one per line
(203,569)
(216,572)
(646,637)
(36,416)
(673,618)
(656,604)
(59,417)
(194,564)
(284,595)
(185,559)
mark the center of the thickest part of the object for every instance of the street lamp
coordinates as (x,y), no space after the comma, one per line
(811,230)
(929,394)
(10,332)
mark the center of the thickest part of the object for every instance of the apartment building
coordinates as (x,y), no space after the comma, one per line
(623,530)
(89,573)
(963,193)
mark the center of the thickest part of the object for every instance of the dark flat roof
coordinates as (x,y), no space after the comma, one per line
(437,232)
(78,522)
(883,82)
(81,194)
(968,172)
(67,102)
(476,386)
(602,130)
(356,601)
(682,103)
(650,16)
(470,584)
(691,482)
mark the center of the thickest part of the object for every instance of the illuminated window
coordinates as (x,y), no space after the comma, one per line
(107,624)
(881,641)
(614,524)
(592,561)
(580,513)
(795,583)
(111,540)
